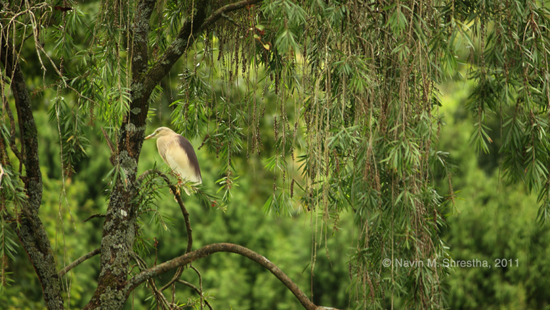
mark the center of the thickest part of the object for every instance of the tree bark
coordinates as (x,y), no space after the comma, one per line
(27,225)
(120,220)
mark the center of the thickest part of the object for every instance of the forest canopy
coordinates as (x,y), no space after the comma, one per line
(331,112)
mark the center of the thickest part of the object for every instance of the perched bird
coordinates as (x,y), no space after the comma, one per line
(178,153)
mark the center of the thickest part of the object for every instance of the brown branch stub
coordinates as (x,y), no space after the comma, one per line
(77,262)
(214,248)
(112,158)
(94,216)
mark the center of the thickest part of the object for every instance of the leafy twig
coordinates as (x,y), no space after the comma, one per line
(196,290)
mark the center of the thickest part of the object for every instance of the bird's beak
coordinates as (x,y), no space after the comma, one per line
(150,136)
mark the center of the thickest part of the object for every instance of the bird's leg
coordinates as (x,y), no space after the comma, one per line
(180,182)
(176,193)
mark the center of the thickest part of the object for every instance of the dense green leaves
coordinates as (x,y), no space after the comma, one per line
(335,105)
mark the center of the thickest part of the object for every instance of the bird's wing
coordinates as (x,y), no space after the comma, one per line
(192,157)
(183,161)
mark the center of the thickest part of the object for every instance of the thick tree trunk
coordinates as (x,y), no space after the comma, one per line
(119,226)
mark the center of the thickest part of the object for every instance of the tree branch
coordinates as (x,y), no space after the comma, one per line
(214,248)
(29,227)
(159,296)
(174,190)
(186,37)
(223,10)
(77,262)
(94,216)
(29,133)
(140,51)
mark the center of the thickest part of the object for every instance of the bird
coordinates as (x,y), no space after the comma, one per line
(178,153)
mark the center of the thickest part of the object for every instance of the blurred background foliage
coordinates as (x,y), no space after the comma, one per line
(231,280)
(490,219)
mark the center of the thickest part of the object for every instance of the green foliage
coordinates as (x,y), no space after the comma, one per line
(494,223)
(330,109)
(72,134)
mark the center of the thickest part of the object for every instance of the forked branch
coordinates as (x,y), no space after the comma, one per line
(214,248)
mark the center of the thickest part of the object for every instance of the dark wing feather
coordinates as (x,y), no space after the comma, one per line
(193,161)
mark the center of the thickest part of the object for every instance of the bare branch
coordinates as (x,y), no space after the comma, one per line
(94,216)
(174,278)
(77,262)
(200,283)
(214,248)
(159,296)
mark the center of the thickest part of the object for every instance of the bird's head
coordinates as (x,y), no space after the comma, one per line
(160,132)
